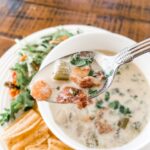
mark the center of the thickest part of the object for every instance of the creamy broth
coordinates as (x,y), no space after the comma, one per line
(114,118)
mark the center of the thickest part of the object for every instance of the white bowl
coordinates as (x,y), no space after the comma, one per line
(88,41)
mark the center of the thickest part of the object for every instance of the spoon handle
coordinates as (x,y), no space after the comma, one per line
(130,53)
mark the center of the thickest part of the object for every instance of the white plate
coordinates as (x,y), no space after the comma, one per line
(10,57)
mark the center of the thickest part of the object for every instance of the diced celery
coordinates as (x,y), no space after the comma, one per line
(62,71)
(123,123)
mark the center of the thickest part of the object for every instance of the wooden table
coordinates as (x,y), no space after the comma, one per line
(19,18)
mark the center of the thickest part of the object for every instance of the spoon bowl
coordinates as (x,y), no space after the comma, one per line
(44,73)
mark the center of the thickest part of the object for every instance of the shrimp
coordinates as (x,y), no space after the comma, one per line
(41,91)
(81,78)
(81,72)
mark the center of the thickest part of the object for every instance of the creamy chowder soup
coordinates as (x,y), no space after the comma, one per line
(110,120)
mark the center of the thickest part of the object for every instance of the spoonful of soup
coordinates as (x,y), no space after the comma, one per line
(72,79)
(81,76)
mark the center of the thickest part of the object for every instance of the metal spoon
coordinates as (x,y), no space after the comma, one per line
(110,64)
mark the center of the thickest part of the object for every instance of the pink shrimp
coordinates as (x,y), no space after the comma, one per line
(41,90)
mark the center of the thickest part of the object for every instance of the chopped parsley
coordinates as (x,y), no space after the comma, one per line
(93,92)
(79,61)
(124,110)
(99,104)
(117,106)
(22,77)
(114,105)
(5,116)
(107,96)
(91,73)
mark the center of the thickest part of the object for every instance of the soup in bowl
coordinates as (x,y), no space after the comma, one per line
(117,119)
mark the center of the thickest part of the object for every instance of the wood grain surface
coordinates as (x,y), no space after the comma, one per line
(5,43)
(19,18)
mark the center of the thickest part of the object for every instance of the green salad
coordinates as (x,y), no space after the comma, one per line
(30,59)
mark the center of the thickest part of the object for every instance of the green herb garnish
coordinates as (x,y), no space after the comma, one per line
(93,92)
(124,110)
(23,77)
(61,33)
(5,116)
(99,104)
(107,96)
(114,104)
(22,102)
(91,73)
(77,60)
